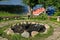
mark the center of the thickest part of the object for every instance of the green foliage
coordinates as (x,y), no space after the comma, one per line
(57,14)
(46,3)
(2,30)
(31,3)
(42,16)
(26,1)
(15,37)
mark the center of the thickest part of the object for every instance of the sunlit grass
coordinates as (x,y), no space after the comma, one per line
(7,14)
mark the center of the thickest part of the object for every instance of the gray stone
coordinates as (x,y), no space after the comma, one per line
(58,18)
(3,38)
(9,31)
(33,33)
(25,34)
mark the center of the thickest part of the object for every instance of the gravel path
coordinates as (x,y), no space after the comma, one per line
(56,33)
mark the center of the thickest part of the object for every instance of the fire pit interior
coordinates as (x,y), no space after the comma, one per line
(29,27)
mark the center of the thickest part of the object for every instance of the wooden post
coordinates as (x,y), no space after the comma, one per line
(58,18)
(49,17)
(4,19)
(7,18)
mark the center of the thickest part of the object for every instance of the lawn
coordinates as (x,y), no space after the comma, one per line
(7,14)
(41,19)
(18,36)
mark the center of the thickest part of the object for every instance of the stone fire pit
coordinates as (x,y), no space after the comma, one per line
(29,29)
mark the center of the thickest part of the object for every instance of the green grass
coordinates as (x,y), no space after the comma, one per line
(37,37)
(18,36)
(7,14)
(2,29)
(42,36)
(43,17)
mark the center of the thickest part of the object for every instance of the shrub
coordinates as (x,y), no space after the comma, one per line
(57,14)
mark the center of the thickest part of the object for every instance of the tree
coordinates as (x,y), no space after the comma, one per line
(31,4)
(46,3)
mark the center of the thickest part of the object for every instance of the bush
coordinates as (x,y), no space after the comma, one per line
(57,14)
(42,16)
